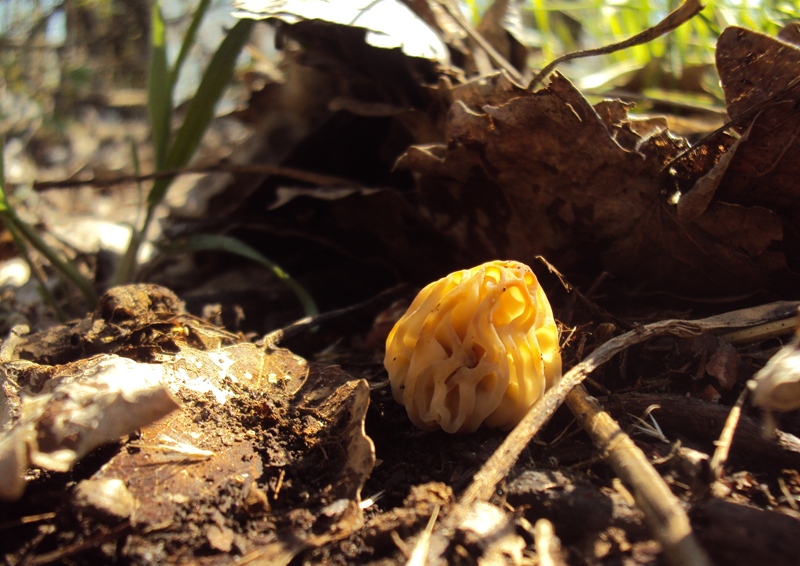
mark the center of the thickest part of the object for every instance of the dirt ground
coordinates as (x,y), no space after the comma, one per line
(278,471)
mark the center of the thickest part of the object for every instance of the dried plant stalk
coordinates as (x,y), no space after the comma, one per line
(668,521)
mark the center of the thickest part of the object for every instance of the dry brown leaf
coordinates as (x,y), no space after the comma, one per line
(546,173)
(54,416)
(389,24)
(724,365)
(694,202)
(304,468)
(762,90)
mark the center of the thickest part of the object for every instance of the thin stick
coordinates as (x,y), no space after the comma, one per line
(29,519)
(548,546)
(499,60)
(420,553)
(668,521)
(678,17)
(232,168)
(271,340)
(726,437)
(763,331)
(503,459)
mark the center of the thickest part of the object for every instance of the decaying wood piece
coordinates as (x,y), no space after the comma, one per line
(740,534)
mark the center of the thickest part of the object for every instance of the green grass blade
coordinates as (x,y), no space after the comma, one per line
(475,10)
(44,292)
(159,89)
(201,109)
(214,242)
(542,19)
(64,267)
(127,263)
(20,229)
(188,41)
(137,170)
(3,200)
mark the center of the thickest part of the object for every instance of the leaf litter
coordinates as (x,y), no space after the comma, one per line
(274,458)
(199,463)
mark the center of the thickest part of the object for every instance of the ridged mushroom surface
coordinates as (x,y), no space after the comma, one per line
(479,346)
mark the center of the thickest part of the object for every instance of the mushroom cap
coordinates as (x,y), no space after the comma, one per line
(478,346)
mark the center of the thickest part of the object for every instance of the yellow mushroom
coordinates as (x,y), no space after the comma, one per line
(479,346)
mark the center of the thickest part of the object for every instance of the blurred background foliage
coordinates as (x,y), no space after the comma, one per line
(680,61)
(55,54)
(74,92)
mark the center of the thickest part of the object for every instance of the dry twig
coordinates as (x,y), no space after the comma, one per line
(271,340)
(726,438)
(500,463)
(503,459)
(498,59)
(548,547)
(662,509)
(319,179)
(678,17)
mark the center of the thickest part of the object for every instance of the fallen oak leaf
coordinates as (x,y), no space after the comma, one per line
(546,173)
(758,74)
